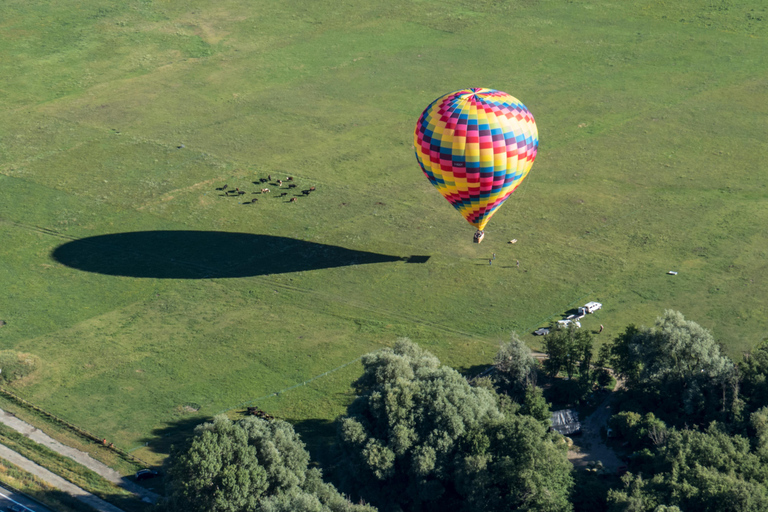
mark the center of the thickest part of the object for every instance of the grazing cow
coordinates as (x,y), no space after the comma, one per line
(224,187)
(293,200)
(269,177)
(265,191)
(306,192)
(312,188)
(254,199)
(279,183)
(255,411)
(284,194)
(289,178)
(291,185)
(263,180)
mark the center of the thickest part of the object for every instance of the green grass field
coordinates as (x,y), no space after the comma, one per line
(651,118)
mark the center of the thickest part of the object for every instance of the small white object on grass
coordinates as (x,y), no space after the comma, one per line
(672,273)
(513,241)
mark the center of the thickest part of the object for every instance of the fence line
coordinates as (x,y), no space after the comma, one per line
(71,426)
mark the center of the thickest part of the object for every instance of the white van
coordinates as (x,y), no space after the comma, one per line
(589,307)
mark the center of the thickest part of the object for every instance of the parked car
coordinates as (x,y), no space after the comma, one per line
(146,474)
(589,307)
(541,331)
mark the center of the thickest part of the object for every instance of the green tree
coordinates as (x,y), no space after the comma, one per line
(754,377)
(583,346)
(759,424)
(536,406)
(635,495)
(249,465)
(515,366)
(639,431)
(623,356)
(567,349)
(695,471)
(513,469)
(677,366)
(420,438)
(559,345)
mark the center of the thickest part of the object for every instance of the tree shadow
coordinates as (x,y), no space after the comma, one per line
(319,436)
(173,434)
(208,254)
(473,371)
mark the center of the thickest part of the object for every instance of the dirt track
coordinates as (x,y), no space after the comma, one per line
(591,447)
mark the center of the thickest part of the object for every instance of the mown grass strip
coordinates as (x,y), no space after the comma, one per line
(14,477)
(70,470)
(63,433)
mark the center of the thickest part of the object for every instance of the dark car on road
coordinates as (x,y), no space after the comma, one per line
(146,474)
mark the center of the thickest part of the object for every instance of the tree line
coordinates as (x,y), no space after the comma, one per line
(691,424)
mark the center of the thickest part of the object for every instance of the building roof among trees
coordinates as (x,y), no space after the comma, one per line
(566,422)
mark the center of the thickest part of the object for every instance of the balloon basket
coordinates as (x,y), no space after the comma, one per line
(478,237)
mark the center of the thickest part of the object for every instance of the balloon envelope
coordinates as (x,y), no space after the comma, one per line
(476,146)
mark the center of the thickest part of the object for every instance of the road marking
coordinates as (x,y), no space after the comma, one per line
(16,502)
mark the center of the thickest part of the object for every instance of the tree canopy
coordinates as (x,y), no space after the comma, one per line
(420,438)
(252,465)
(677,366)
(695,471)
(515,365)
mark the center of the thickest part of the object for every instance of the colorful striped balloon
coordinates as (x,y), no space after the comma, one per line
(476,146)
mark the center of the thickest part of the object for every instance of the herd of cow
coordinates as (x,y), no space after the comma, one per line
(236,192)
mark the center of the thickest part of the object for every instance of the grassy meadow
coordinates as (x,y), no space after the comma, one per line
(121,119)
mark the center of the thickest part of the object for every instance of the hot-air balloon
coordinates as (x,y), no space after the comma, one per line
(476,146)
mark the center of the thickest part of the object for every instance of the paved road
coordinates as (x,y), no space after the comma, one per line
(9,498)
(81,457)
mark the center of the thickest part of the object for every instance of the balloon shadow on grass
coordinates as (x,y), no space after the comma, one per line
(208,254)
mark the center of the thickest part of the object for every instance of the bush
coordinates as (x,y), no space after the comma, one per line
(15,365)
